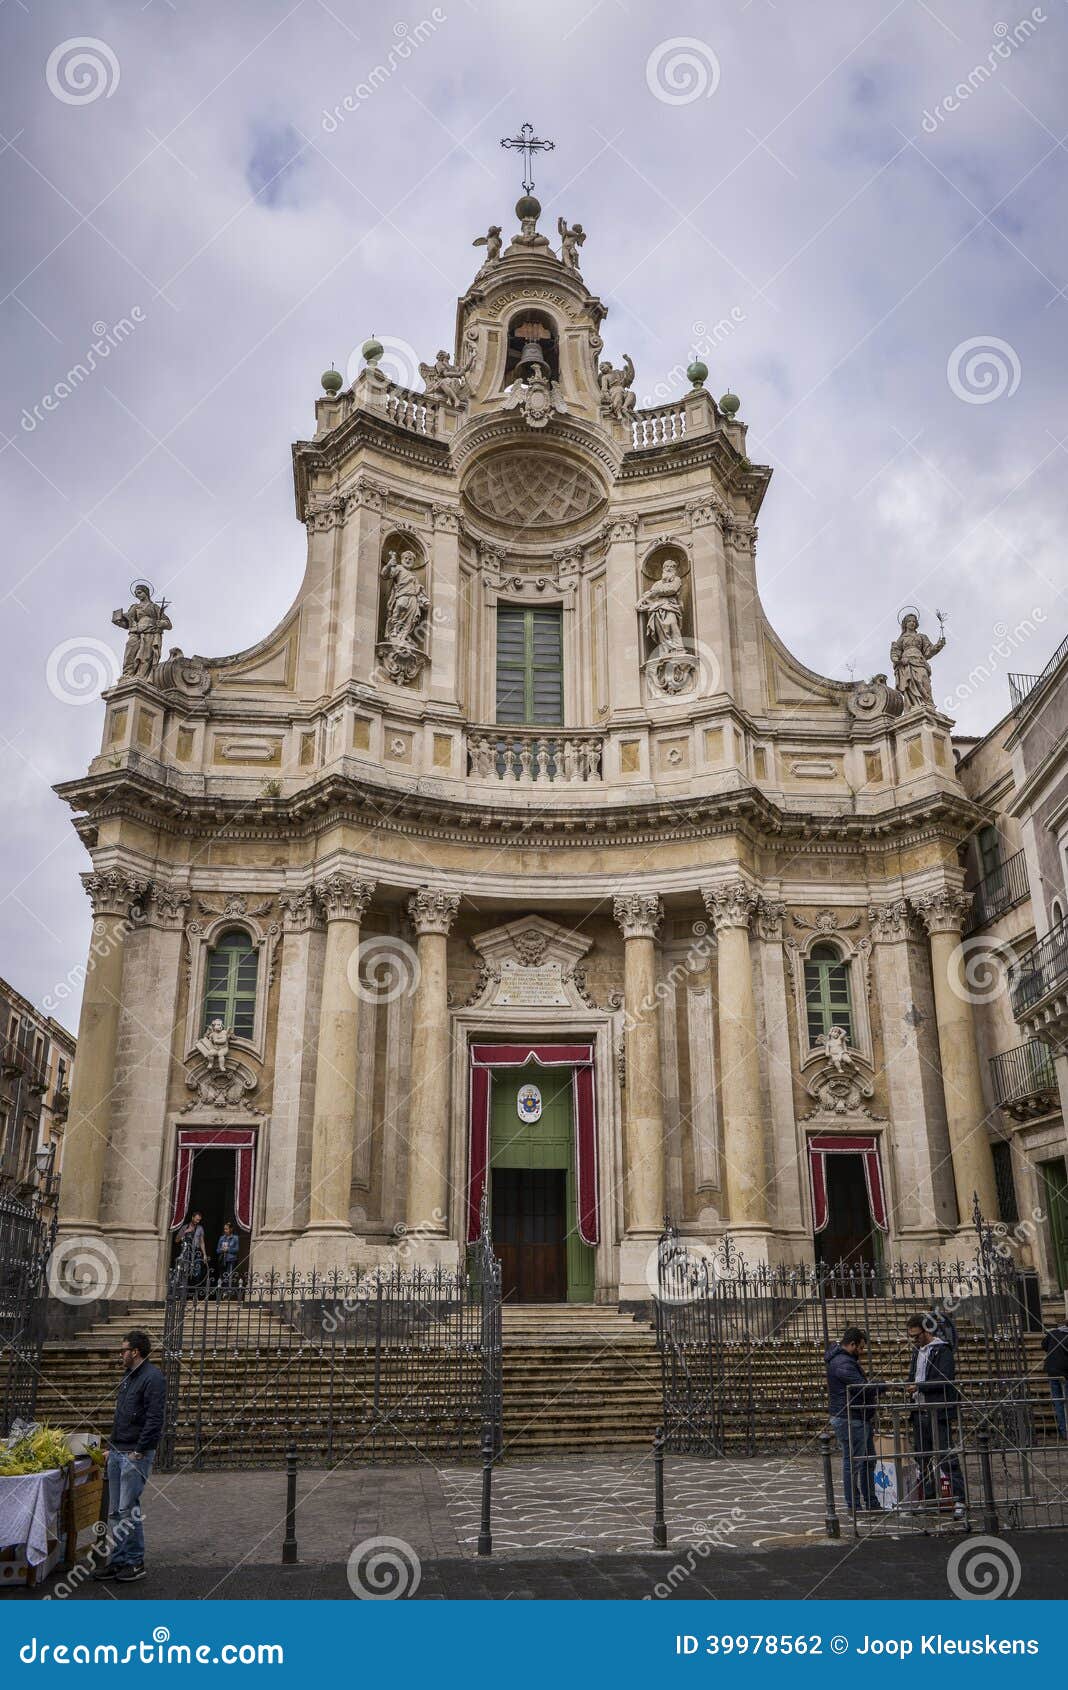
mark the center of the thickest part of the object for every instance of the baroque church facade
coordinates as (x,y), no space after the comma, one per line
(522,868)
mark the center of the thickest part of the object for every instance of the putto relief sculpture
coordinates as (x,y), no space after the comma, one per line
(618,398)
(570,241)
(445,380)
(214,1045)
(146,623)
(911,655)
(402,648)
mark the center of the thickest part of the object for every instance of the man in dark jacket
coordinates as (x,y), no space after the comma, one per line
(932,1382)
(1055,1344)
(852,1404)
(135,1433)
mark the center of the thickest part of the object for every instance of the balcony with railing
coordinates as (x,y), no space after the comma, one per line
(540,757)
(1025,1080)
(1021,686)
(1040,991)
(17,1061)
(1000,890)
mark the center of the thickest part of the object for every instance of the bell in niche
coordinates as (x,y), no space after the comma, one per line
(532,362)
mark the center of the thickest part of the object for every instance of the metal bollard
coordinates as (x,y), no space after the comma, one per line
(831,1522)
(991,1524)
(485,1533)
(289,1542)
(659,1522)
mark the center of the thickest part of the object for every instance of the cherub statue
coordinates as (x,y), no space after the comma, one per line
(662,606)
(836,1049)
(446,380)
(147,622)
(910,654)
(570,241)
(408,602)
(214,1045)
(491,240)
(617,397)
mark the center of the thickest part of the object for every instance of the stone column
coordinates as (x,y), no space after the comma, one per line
(432,914)
(88,1130)
(624,651)
(943,913)
(344,899)
(731,905)
(639,915)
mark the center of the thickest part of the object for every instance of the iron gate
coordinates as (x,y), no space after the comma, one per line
(385,1364)
(742,1347)
(25,1246)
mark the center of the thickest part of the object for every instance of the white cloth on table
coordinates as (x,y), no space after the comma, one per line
(29,1503)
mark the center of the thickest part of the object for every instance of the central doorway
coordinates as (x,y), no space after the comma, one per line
(850,1236)
(533,1209)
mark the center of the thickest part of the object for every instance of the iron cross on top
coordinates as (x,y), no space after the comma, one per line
(528,144)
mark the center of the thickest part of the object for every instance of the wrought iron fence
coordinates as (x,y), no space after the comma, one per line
(1026,1071)
(1001,889)
(742,1347)
(990,1458)
(392,1363)
(25,1246)
(1041,968)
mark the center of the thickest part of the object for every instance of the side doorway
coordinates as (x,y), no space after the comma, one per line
(533,1203)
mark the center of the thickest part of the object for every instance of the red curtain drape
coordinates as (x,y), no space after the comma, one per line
(830,1144)
(242,1141)
(484,1058)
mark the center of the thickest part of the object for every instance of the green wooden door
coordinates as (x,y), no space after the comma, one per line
(1055,1178)
(546,1143)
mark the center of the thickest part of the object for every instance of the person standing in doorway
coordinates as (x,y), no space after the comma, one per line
(193,1253)
(135,1433)
(1055,1345)
(226,1251)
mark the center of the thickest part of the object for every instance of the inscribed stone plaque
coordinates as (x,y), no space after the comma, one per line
(523,986)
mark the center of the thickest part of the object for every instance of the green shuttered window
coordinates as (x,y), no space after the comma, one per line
(827,999)
(530,666)
(230,995)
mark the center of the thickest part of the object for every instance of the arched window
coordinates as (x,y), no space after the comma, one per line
(827,998)
(230,991)
(1056,912)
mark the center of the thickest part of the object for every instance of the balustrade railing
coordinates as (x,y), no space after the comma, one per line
(529,757)
(411,410)
(1023,1072)
(658,427)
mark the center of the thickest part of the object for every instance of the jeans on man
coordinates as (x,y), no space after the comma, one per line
(856,1439)
(1058,1390)
(935,1436)
(126,1481)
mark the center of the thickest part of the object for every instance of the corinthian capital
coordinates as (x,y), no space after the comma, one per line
(731,903)
(942,911)
(432,912)
(300,910)
(770,915)
(889,922)
(344,897)
(168,905)
(639,914)
(112,891)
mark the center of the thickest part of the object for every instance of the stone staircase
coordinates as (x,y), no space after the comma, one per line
(577,1377)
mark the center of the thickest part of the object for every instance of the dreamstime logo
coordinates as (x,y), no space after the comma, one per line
(980,971)
(682,1273)
(671,670)
(82,69)
(681,70)
(1006,641)
(398,364)
(1005,44)
(983,1569)
(983,369)
(78,670)
(383,1569)
(82,1269)
(706,337)
(383,969)
(106,338)
(405,41)
(718,1536)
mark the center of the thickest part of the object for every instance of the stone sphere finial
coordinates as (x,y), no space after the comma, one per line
(697,372)
(372,350)
(527,206)
(730,405)
(332,381)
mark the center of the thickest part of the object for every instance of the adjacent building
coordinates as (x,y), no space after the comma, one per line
(36,1066)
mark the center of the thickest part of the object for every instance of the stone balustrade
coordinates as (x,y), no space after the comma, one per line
(526,757)
(410,410)
(658,427)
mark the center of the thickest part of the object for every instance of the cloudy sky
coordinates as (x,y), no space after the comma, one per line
(867,197)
